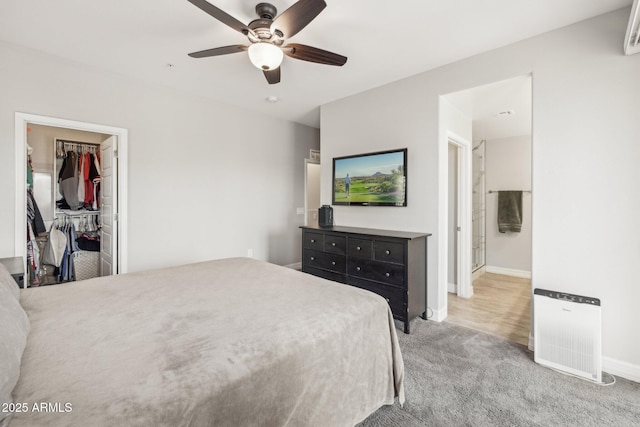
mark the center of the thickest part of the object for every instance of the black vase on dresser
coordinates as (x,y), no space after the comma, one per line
(393,264)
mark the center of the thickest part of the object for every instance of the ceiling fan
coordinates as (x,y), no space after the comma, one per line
(268,33)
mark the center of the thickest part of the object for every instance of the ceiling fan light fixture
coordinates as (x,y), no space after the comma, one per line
(267,36)
(265,56)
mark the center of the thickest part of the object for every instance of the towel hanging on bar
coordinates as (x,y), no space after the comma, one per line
(509,211)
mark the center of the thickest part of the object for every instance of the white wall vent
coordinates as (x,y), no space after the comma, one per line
(632,38)
(567,333)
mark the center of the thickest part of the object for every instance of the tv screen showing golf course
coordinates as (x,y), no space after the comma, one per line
(373,179)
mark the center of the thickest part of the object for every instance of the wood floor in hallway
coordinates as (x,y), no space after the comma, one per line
(501,305)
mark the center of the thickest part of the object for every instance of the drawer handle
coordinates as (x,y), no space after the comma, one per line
(313,258)
(333,263)
(358,268)
(333,243)
(357,248)
(387,252)
(313,240)
(388,274)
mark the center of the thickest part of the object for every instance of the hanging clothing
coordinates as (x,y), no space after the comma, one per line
(68,179)
(54,247)
(81,167)
(69,165)
(88,194)
(29,174)
(96,161)
(65,272)
(34,216)
(78,175)
(33,258)
(93,170)
(96,194)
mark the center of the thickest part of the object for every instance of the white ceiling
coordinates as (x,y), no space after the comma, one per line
(384,41)
(497,110)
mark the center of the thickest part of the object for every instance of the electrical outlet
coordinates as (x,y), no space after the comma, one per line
(300,211)
(250,253)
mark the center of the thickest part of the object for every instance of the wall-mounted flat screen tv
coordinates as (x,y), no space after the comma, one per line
(371,179)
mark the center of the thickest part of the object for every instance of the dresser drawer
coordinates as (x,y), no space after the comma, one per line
(335,244)
(360,248)
(324,260)
(388,251)
(392,274)
(311,240)
(331,275)
(394,296)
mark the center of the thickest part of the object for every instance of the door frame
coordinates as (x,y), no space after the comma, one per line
(21,122)
(464,235)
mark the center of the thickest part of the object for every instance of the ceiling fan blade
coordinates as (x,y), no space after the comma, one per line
(219,51)
(273,76)
(298,16)
(313,54)
(221,16)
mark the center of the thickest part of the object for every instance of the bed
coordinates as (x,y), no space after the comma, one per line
(234,342)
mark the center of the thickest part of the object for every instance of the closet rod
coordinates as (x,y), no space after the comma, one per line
(497,191)
(67,141)
(79,213)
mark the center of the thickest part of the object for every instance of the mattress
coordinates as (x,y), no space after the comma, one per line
(235,342)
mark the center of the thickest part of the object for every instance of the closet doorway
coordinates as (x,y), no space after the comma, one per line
(107,143)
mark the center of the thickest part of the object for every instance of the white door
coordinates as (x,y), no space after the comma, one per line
(453,231)
(459,232)
(109,207)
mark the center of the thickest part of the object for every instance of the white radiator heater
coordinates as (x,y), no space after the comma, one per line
(567,333)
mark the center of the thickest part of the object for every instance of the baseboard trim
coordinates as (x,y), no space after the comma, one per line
(452,288)
(479,272)
(438,315)
(295,265)
(508,271)
(621,369)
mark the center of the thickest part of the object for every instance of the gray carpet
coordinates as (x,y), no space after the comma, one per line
(459,377)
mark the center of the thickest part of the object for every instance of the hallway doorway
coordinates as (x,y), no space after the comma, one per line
(501,306)
(500,258)
(311,191)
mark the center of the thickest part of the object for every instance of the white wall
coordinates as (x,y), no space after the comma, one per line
(508,167)
(585,201)
(203,184)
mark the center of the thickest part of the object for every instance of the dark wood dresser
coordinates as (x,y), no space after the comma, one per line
(15,266)
(393,264)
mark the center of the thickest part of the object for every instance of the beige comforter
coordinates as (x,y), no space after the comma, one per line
(234,342)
